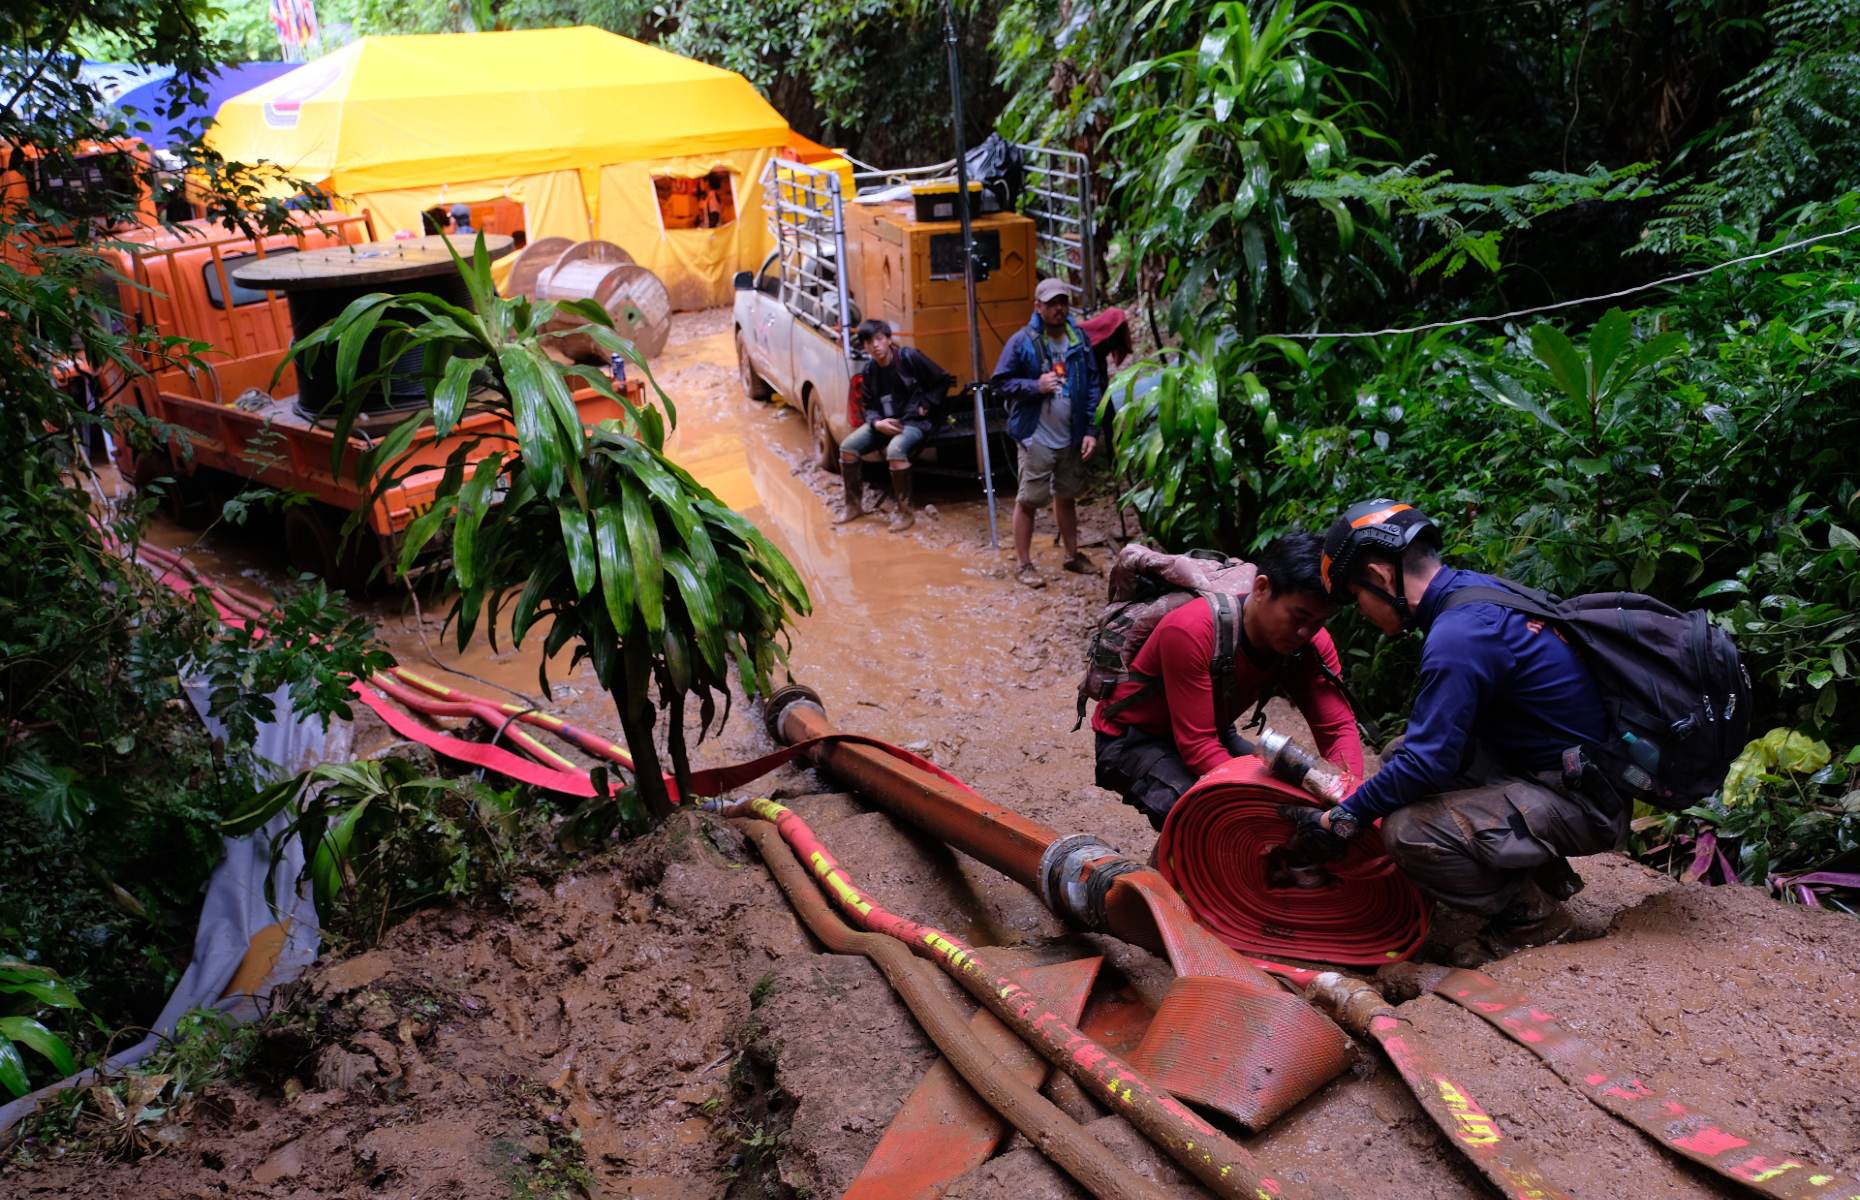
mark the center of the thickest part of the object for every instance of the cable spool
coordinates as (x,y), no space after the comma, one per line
(635,298)
(536,258)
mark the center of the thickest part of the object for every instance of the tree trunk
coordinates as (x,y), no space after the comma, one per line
(648,775)
(675,742)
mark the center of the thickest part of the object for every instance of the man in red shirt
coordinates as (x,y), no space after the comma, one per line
(1172,722)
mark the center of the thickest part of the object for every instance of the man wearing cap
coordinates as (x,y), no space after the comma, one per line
(461,220)
(1050,379)
(1475,803)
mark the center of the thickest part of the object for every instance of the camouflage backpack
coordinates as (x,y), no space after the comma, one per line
(1146,586)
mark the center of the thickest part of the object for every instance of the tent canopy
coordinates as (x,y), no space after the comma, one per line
(399,112)
(151,99)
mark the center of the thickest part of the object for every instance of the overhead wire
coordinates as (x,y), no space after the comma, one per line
(1635,290)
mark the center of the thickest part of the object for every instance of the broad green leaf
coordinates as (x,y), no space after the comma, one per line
(13,1069)
(616,566)
(28,1032)
(701,607)
(1722,587)
(454,388)
(1606,341)
(332,855)
(578,542)
(1554,350)
(474,502)
(642,537)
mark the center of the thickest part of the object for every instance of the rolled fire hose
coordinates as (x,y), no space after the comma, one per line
(1222,849)
(1058,1136)
(1206,1153)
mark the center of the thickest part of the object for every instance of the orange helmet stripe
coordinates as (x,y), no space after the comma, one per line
(1379,516)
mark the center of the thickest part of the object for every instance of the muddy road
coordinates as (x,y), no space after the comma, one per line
(659,1014)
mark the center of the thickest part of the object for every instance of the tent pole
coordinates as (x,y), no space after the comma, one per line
(976,387)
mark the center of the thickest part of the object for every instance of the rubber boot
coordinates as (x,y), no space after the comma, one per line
(1533,918)
(901,517)
(1558,879)
(852,475)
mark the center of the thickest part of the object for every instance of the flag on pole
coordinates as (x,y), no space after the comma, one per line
(295,21)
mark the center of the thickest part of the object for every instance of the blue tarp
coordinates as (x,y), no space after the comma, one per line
(150,99)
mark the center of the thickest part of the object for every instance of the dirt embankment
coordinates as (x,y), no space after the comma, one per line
(662,1007)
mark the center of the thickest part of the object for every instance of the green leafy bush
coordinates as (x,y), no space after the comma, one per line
(381,838)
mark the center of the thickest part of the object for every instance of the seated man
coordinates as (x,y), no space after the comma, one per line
(901,390)
(1172,722)
(1474,802)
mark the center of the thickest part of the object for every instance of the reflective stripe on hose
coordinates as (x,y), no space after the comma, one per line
(1214,850)
(1678,1125)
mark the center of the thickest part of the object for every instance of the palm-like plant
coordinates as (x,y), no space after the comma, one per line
(632,562)
(1213,135)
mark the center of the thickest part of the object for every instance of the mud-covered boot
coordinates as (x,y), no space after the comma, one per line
(1533,918)
(901,516)
(852,475)
(1558,879)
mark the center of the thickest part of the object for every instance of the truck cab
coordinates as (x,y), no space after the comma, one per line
(231,416)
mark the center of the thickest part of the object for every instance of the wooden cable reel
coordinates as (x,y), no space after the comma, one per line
(556,269)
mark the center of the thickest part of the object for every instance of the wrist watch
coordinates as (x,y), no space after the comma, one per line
(1343,823)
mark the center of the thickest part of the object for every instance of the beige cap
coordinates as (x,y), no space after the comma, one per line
(1050,290)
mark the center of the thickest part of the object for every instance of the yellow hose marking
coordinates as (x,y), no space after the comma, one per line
(1477,1129)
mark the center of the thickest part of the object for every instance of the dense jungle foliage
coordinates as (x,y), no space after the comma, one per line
(1283,179)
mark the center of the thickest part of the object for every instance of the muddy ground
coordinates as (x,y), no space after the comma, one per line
(658,1015)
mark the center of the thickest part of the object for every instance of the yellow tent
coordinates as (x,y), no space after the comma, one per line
(587,130)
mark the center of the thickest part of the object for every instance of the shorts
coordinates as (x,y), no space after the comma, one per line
(1046,473)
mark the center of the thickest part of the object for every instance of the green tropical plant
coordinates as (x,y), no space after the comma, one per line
(382,838)
(1791,132)
(627,558)
(1215,131)
(26,990)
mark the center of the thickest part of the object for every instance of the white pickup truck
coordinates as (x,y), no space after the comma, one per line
(794,323)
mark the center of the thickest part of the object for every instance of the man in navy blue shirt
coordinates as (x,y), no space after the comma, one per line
(1481,802)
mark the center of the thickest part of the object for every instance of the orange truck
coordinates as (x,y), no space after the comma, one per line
(244,422)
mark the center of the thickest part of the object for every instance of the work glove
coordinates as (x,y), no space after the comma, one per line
(1310,841)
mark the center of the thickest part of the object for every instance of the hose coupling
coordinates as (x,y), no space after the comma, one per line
(1294,764)
(1076,873)
(775,707)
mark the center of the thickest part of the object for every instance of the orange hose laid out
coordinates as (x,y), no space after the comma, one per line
(1058,1136)
(1205,1152)
(1218,850)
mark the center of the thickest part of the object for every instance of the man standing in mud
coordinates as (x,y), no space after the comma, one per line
(1050,379)
(901,391)
(1172,721)
(1474,802)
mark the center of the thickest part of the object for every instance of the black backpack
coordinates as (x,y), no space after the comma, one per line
(1674,690)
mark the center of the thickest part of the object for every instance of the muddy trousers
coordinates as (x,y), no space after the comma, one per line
(1474,848)
(1147,771)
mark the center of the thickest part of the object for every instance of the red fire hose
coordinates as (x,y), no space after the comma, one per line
(1221,848)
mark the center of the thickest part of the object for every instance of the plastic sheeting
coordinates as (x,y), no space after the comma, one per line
(696,265)
(244,946)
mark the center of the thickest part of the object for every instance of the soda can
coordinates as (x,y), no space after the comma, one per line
(616,367)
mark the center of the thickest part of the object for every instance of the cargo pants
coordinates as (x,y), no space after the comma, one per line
(1148,771)
(1473,848)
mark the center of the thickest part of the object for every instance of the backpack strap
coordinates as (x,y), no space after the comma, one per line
(1514,596)
(1228,637)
